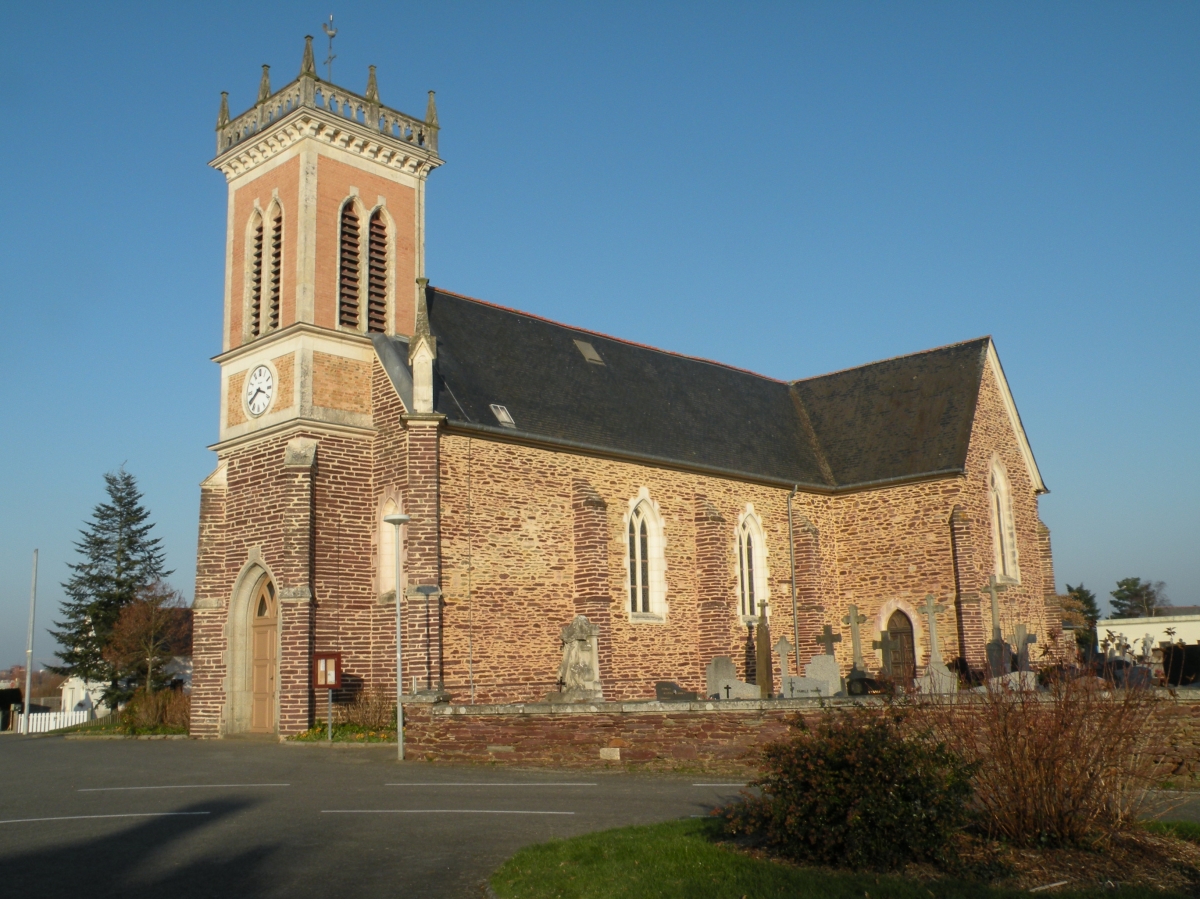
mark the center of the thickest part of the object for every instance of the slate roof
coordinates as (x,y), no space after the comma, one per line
(899,419)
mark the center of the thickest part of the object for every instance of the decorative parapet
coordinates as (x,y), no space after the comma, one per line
(310,92)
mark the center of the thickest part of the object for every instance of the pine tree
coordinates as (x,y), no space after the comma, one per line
(119,558)
(1135,598)
(1084,611)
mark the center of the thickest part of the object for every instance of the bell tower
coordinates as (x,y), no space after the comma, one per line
(325,242)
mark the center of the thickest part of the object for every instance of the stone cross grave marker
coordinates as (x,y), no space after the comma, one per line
(1024,639)
(854,620)
(932,610)
(999,653)
(827,639)
(884,645)
(763,673)
(782,649)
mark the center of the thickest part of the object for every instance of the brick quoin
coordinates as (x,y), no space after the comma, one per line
(590,558)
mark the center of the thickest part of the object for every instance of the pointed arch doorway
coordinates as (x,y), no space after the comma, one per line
(264,658)
(904,657)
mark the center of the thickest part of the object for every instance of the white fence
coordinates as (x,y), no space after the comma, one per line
(42,722)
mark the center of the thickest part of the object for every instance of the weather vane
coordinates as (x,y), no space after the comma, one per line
(331,32)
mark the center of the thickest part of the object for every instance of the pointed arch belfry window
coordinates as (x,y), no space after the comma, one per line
(377,273)
(254,274)
(349,260)
(274,268)
(1004,531)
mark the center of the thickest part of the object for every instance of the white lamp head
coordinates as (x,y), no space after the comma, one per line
(397,518)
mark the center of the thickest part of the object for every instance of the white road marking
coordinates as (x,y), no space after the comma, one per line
(431,811)
(178,787)
(718,785)
(547,784)
(88,817)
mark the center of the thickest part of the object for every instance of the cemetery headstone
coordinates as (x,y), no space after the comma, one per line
(669,691)
(1024,641)
(937,679)
(854,619)
(579,672)
(763,668)
(884,645)
(824,671)
(721,681)
(999,653)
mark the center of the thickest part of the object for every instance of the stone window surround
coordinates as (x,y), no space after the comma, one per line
(750,522)
(657,542)
(385,564)
(920,647)
(1000,511)
(364,249)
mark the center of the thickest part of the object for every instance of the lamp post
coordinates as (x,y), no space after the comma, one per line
(397,520)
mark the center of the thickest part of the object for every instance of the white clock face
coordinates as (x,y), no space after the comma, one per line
(260,387)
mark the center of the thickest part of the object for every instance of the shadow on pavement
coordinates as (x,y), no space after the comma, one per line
(113,864)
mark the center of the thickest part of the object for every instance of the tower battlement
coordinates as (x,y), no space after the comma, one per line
(363,113)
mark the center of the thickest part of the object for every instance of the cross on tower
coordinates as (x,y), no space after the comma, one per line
(932,610)
(854,620)
(828,638)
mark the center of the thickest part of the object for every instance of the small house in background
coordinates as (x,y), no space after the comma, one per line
(179,670)
(79,695)
(1169,643)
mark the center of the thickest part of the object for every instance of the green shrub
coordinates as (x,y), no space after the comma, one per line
(856,790)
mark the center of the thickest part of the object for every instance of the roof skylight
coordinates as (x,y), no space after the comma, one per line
(503,416)
(589,352)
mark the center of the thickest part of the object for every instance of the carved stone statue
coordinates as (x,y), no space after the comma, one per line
(579,673)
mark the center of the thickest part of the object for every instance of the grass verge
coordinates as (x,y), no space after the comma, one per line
(1183,830)
(346,733)
(683,860)
(110,725)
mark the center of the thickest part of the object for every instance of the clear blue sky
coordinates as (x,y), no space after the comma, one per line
(789,187)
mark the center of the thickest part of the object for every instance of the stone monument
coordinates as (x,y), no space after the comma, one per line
(1024,641)
(721,681)
(579,673)
(937,677)
(792,686)
(999,653)
(763,668)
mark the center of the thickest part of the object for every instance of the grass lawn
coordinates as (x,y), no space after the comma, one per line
(680,859)
(1184,830)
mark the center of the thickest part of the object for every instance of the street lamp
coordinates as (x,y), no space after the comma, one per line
(397,520)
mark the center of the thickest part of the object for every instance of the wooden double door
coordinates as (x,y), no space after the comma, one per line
(264,638)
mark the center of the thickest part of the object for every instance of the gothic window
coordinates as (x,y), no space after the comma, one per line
(645,560)
(751,564)
(377,273)
(254,271)
(348,266)
(1004,531)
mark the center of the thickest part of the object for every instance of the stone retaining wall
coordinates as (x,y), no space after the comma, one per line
(693,736)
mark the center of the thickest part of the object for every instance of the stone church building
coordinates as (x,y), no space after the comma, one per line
(549,471)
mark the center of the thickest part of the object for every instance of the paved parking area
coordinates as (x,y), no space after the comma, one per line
(203,818)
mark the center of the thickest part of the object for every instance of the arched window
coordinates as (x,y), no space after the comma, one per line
(1004,531)
(645,559)
(254,270)
(274,268)
(751,565)
(386,575)
(377,273)
(348,266)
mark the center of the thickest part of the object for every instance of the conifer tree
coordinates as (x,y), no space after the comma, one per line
(119,558)
(1080,604)
(1135,598)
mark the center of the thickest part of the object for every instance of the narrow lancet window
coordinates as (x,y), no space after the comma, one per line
(645,563)
(348,263)
(254,275)
(377,274)
(275,282)
(751,564)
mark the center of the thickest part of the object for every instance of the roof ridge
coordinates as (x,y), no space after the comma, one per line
(644,346)
(936,349)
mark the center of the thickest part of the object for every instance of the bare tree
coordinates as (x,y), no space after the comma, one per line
(151,628)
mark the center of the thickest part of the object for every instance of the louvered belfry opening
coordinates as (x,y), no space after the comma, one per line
(377,274)
(275,282)
(348,268)
(256,268)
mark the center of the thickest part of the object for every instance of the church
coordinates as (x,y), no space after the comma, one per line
(546,472)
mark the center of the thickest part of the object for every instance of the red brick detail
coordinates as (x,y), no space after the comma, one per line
(972,630)
(423,644)
(809,578)
(716,589)
(589,548)
(1052,646)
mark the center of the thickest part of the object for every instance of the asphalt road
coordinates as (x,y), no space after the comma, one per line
(185,818)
